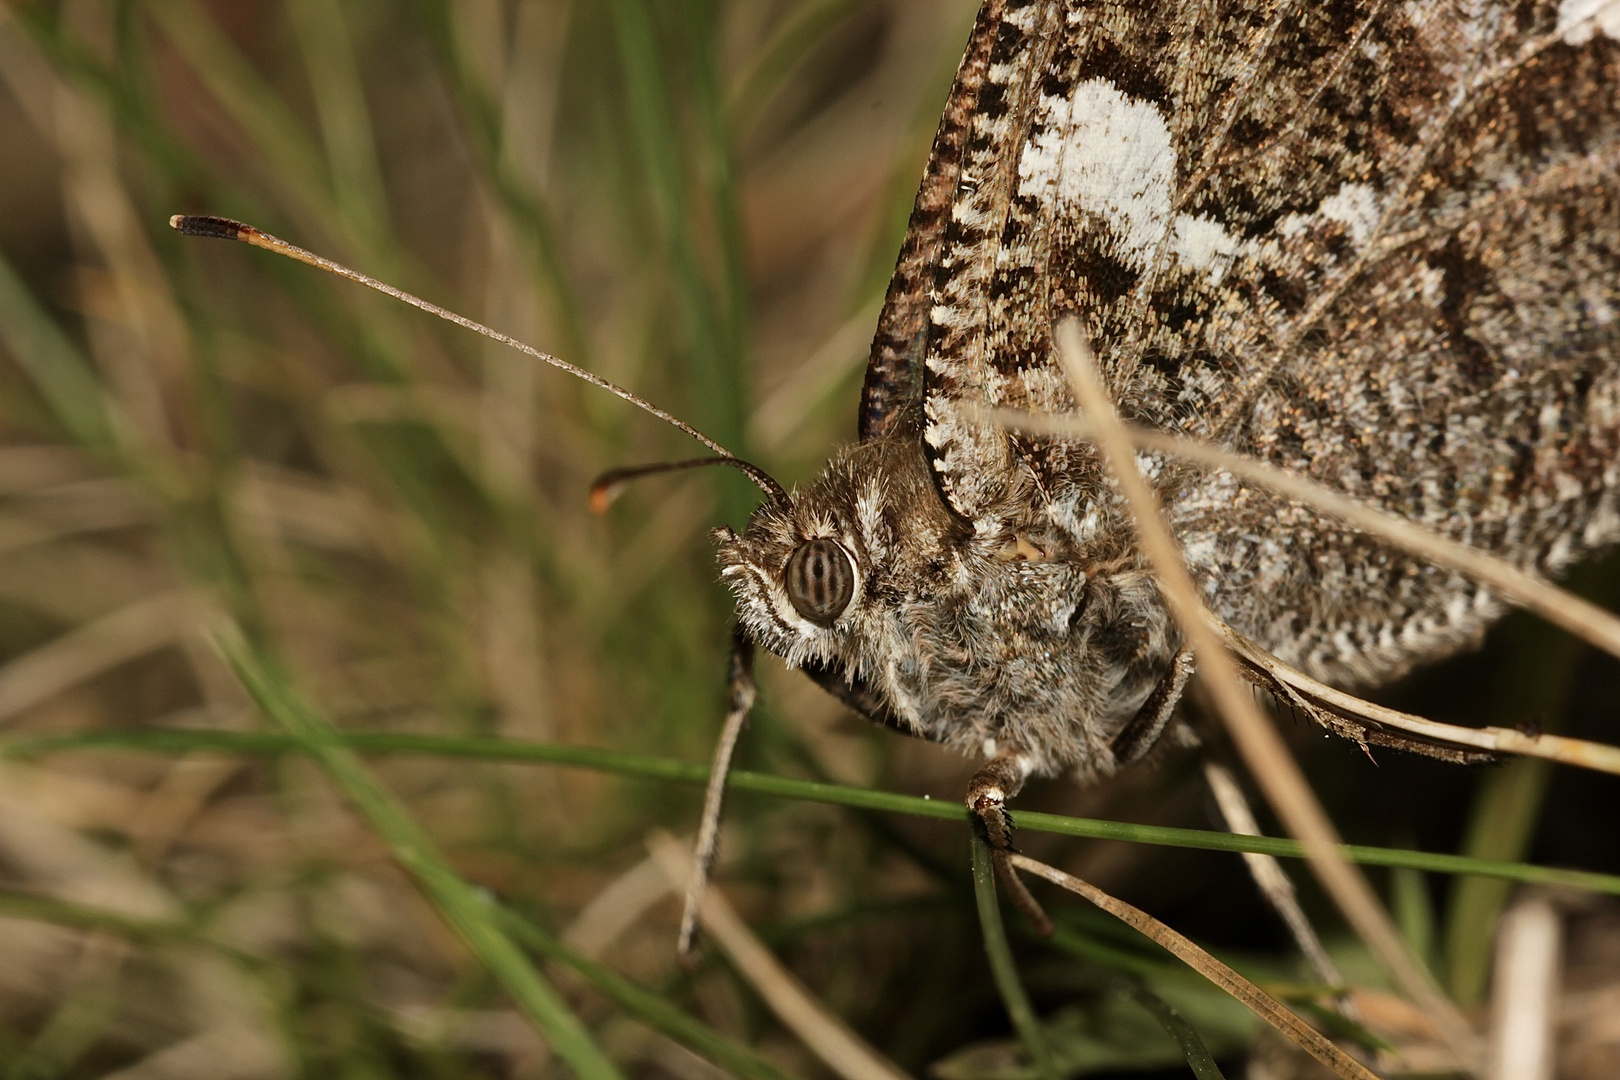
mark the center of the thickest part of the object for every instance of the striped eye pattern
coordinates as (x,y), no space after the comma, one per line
(820,581)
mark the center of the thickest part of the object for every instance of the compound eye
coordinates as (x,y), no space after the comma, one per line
(820,581)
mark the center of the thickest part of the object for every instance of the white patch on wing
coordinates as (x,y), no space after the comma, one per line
(1356,207)
(1111,155)
(1206,245)
(1579,20)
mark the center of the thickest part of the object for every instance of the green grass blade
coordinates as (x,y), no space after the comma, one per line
(769,69)
(635,1000)
(1533,680)
(322,32)
(712,350)
(1199,1058)
(473,917)
(1413,911)
(647,1006)
(67,1037)
(478,748)
(525,209)
(1506,808)
(275,132)
(61,375)
(1003,968)
(717,172)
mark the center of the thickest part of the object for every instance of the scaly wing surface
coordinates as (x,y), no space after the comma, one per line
(1377,243)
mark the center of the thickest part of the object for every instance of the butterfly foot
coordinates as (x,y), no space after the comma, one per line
(987,797)
(990,810)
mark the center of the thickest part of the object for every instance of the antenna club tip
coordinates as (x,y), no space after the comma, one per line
(603,493)
(218,228)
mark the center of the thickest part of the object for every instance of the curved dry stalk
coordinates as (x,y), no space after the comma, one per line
(826,1036)
(1257,1000)
(616,907)
(96,646)
(1577,752)
(1262,748)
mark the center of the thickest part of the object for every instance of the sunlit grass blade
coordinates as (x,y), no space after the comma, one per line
(474,918)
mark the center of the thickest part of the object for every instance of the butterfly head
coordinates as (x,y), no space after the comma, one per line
(815,574)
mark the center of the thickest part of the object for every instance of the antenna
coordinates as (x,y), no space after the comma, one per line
(225,229)
(606,488)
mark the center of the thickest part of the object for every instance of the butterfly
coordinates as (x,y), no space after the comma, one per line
(1375,244)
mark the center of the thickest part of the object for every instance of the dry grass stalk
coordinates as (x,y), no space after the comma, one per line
(94,647)
(1263,1004)
(1525,991)
(616,907)
(1578,752)
(1263,749)
(1267,871)
(828,1037)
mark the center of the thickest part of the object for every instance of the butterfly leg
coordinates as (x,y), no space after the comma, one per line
(740,699)
(1143,731)
(1000,779)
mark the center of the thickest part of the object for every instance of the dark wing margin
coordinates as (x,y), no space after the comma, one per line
(893,370)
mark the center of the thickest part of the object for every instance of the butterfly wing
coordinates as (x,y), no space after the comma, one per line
(890,392)
(1378,243)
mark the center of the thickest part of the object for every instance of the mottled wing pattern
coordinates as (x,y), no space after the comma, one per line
(1378,243)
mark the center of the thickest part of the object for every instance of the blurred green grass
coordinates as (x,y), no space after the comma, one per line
(699,200)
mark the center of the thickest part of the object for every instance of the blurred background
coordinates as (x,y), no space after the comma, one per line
(700,200)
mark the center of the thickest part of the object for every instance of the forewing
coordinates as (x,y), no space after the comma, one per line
(892,384)
(1258,209)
